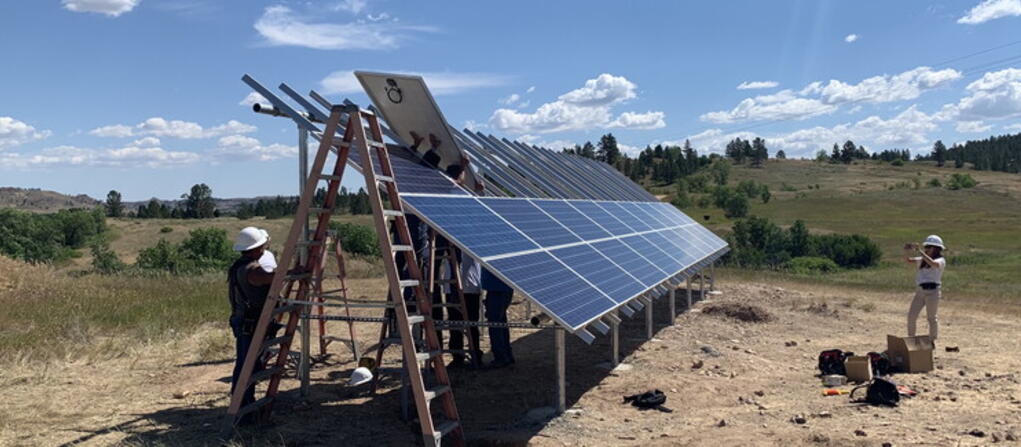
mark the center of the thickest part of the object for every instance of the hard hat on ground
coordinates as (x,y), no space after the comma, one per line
(249,238)
(934,241)
(360,376)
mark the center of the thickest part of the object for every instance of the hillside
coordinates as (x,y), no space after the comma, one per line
(34,199)
(883,202)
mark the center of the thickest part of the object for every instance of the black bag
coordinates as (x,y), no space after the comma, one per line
(880,391)
(880,364)
(832,362)
(648,399)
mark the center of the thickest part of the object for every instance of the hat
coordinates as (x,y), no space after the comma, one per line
(934,241)
(249,238)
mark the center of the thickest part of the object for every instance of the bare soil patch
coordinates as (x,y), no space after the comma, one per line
(748,313)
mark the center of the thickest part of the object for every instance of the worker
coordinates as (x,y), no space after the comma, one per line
(267,260)
(249,285)
(498,299)
(471,273)
(929,278)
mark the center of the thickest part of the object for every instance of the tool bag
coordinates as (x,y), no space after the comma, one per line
(881,365)
(832,362)
(648,399)
(879,391)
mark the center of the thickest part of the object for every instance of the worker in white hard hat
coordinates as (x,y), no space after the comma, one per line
(267,260)
(249,285)
(929,279)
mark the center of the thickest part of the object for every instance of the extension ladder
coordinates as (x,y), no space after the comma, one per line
(296,299)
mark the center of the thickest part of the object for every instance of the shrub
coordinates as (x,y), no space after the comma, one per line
(696,183)
(104,260)
(163,256)
(785,187)
(704,202)
(736,207)
(357,239)
(765,195)
(48,237)
(849,251)
(757,242)
(897,162)
(934,183)
(960,181)
(166,230)
(811,264)
(681,200)
(208,248)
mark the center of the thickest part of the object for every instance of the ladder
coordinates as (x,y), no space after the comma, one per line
(296,300)
(448,256)
(327,298)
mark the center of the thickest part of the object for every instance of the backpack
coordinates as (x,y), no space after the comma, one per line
(832,362)
(880,391)
(648,399)
(880,364)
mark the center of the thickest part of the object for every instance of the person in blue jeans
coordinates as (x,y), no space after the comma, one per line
(498,299)
(249,284)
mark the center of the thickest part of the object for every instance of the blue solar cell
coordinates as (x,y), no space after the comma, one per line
(622,214)
(697,240)
(532,221)
(411,176)
(680,249)
(465,220)
(554,287)
(631,261)
(653,253)
(600,271)
(638,210)
(600,216)
(575,221)
(654,210)
(675,213)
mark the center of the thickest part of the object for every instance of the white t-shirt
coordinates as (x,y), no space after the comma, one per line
(471,274)
(268,262)
(931,274)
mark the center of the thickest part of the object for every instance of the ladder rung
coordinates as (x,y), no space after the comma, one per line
(439,305)
(384,178)
(392,213)
(445,427)
(377,144)
(275,341)
(310,243)
(423,356)
(436,391)
(320,210)
(286,309)
(415,319)
(253,406)
(335,338)
(408,283)
(371,305)
(299,276)
(265,374)
(443,281)
(332,291)
(396,248)
(329,177)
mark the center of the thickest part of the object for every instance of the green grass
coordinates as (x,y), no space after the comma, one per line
(979,224)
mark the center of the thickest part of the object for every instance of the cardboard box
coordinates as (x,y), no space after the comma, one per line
(859,368)
(910,354)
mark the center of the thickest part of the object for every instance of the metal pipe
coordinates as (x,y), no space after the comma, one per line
(559,347)
(306,325)
(273,111)
(673,305)
(614,339)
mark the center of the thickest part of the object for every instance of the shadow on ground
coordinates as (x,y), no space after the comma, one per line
(494,404)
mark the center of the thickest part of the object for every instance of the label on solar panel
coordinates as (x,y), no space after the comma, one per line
(576,259)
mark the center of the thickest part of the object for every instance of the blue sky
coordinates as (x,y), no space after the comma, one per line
(144,96)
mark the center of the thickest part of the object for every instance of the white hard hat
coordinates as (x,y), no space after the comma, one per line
(249,238)
(934,241)
(265,233)
(360,376)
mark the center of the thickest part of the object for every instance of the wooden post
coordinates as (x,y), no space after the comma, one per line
(687,288)
(561,370)
(673,304)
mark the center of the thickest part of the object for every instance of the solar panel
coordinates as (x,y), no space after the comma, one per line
(576,259)
(411,176)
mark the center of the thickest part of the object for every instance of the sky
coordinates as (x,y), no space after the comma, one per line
(145,96)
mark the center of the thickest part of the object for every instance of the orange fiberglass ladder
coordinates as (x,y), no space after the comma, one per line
(295,300)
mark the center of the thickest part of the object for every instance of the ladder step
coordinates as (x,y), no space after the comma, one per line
(391,341)
(275,341)
(423,356)
(415,319)
(384,178)
(408,283)
(444,428)
(298,277)
(392,213)
(396,248)
(310,243)
(254,406)
(436,391)
(286,309)
(329,177)
(320,210)
(335,338)
(266,373)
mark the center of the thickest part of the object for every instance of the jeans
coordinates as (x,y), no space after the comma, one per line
(499,337)
(243,341)
(930,300)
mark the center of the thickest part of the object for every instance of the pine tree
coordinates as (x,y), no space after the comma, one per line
(114,206)
(939,153)
(781,155)
(608,150)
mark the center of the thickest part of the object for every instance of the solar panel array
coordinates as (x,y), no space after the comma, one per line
(576,259)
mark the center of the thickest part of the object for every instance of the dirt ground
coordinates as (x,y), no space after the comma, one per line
(728,382)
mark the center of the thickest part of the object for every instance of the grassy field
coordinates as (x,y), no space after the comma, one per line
(980,225)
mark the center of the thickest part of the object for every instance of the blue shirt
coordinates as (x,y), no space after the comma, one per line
(493,284)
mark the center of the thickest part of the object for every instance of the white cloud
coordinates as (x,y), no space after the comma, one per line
(252,99)
(553,145)
(751,85)
(997,95)
(126,157)
(280,26)
(530,89)
(146,142)
(510,100)
(161,127)
(112,8)
(973,127)
(14,133)
(818,98)
(587,107)
(352,6)
(851,38)
(240,147)
(647,120)
(1012,127)
(440,83)
(991,9)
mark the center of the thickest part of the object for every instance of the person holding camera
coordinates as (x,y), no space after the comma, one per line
(929,278)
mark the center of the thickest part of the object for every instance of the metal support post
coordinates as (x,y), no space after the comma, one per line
(615,340)
(648,320)
(687,288)
(673,304)
(701,286)
(306,325)
(712,276)
(558,334)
